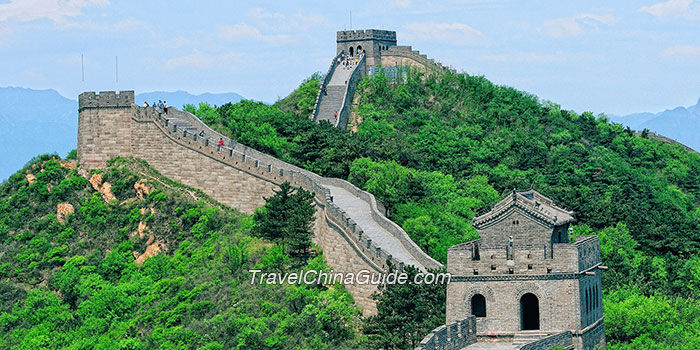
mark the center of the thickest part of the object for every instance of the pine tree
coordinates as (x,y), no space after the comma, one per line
(287,219)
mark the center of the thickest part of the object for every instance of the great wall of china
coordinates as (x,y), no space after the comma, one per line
(350,225)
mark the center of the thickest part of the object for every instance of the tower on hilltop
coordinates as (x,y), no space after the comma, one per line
(525,277)
(370,41)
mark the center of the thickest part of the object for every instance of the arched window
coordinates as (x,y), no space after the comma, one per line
(596,300)
(588,300)
(351,51)
(478,305)
(359,50)
(529,312)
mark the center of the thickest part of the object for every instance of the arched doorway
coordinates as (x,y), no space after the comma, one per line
(529,312)
(351,51)
(359,50)
(478,305)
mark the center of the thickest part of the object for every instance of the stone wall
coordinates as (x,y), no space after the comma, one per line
(235,175)
(452,336)
(406,56)
(562,339)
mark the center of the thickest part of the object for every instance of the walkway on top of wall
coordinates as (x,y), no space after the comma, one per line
(360,211)
(382,232)
(332,102)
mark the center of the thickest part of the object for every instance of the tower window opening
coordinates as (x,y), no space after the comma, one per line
(478,305)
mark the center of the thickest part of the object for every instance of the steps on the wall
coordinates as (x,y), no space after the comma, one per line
(329,108)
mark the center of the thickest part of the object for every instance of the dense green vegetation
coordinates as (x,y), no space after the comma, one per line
(76,284)
(438,149)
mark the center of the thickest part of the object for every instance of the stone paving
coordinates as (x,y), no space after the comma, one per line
(335,94)
(359,210)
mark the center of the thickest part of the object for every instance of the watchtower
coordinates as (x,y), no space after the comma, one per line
(370,41)
(104,126)
(526,277)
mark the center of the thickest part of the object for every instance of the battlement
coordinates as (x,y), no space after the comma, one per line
(106,99)
(366,34)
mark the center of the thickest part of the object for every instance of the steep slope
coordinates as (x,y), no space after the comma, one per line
(129,259)
(437,150)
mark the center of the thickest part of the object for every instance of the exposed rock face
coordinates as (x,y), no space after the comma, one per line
(62,210)
(67,164)
(141,188)
(31,178)
(105,189)
(152,250)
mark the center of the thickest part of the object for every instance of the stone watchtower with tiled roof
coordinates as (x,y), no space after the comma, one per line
(526,277)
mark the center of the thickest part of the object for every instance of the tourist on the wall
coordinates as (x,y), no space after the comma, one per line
(165,107)
(201,133)
(145,103)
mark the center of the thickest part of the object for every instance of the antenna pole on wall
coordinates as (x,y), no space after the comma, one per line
(82,71)
(116,70)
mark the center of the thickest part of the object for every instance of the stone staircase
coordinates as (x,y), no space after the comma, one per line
(331,103)
(528,337)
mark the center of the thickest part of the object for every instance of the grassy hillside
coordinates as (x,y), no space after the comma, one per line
(437,150)
(128,259)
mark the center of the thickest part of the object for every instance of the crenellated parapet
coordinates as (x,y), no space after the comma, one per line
(241,177)
(452,336)
(366,34)
(106,99)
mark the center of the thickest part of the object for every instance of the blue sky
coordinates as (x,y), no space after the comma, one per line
(613,57)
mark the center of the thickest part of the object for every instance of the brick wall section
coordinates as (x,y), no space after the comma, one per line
(562,339)
(406,56)
(235,175)
(563,276)
(452,336)
(104,127)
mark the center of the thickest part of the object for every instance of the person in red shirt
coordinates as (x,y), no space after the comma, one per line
(221,142)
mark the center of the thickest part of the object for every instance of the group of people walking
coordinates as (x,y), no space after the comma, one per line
(162,105)
(349,62)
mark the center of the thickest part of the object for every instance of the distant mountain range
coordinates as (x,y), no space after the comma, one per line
(180,98)
(34,122)
(681,124)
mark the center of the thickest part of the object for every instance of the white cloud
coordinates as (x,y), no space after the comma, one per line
(683,51)
(689,9)
(259,13)
(129,24)
(55,10)
(457,33)
(404,4)
(203,60)
(576,25)
(243,31)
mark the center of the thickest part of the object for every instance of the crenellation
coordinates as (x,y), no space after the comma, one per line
(106,99)
(237,176)
(527,275)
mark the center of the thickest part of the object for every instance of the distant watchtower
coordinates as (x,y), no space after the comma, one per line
(104,126)
(370,41)
(525,278)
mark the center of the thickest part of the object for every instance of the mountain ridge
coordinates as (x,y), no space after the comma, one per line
(677,123)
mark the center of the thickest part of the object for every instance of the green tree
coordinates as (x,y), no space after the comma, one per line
(405,313)
(287,218)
